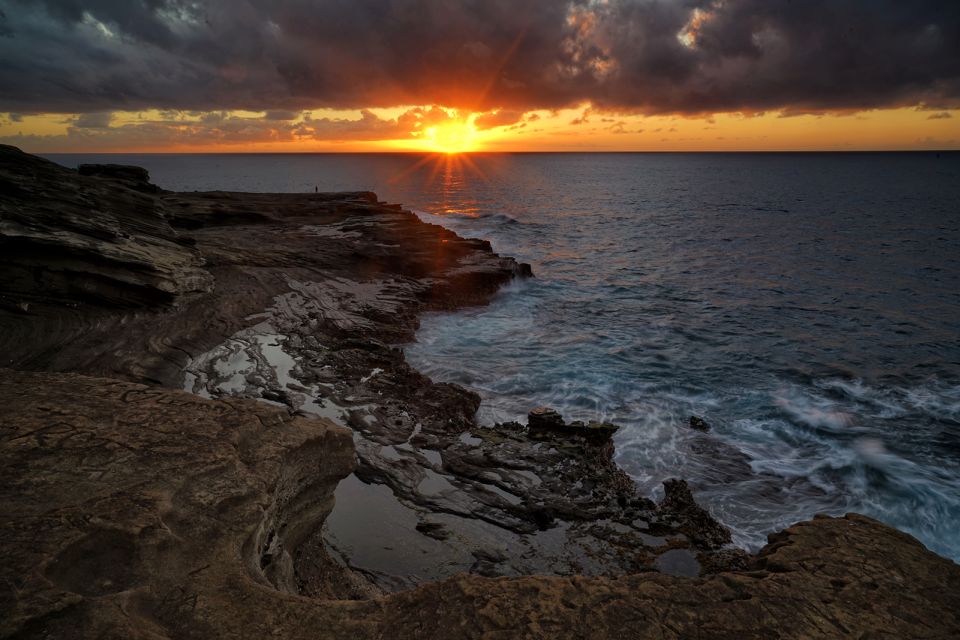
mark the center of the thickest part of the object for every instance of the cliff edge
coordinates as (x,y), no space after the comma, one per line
(132,508)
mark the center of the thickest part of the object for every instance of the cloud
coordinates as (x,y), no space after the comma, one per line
(281,115)
(96,120)
(937,143)
(501,118)
(583,118)
(91,132)
(368,127)
(632,56)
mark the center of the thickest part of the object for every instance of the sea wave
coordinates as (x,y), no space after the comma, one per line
(821,345)
(819,402)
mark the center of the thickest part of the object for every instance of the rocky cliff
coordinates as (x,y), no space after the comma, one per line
(129,511)
(93,236)
(313,484)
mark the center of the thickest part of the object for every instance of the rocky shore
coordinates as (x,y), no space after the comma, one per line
(210,430)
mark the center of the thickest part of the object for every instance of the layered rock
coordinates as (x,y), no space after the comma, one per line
(139,511)
(128,511)
(69,238)
(826,578)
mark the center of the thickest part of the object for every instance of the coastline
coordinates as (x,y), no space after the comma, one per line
(335,282)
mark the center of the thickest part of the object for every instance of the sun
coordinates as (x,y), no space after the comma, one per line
(458,136)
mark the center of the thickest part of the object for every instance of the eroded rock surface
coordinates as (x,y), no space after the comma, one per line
(826,578)
(128,511)
(314,295)
(133,510)
(69,238)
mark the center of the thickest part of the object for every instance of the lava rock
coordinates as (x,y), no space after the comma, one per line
(545,421)
(433,530)
(596,430)
(545,418)
(692,520)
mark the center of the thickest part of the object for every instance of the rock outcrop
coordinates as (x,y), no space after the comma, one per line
(69,238)
(130,509)
(826,578)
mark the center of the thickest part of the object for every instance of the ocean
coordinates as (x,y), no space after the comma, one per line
(807,306)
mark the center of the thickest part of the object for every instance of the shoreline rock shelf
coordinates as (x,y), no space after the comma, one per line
(131,509)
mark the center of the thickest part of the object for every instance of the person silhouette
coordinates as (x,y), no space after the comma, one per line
(316,189)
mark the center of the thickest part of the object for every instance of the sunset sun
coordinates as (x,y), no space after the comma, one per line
(451,137)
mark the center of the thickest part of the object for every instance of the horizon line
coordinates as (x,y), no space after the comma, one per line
(532,152)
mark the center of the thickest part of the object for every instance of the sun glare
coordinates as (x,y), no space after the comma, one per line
(451,137)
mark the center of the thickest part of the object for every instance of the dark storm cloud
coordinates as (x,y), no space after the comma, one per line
(92,120)
(650,56)
(93,131)
(281,115)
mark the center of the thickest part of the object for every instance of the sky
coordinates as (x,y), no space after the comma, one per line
(479,75)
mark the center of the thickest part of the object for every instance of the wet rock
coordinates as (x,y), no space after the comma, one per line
(677,562)
(724,464)
(594,430)
(543,518)
(489,555)
(699,424)
(544,418)
(433,530)
(691,519)
(275,395)
(488,562)
(524,270)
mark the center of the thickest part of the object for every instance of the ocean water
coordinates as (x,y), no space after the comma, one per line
(806,305)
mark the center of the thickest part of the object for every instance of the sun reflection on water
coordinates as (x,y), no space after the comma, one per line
(450,177)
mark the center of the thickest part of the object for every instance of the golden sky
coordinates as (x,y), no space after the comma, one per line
(498,75)
(439,129)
